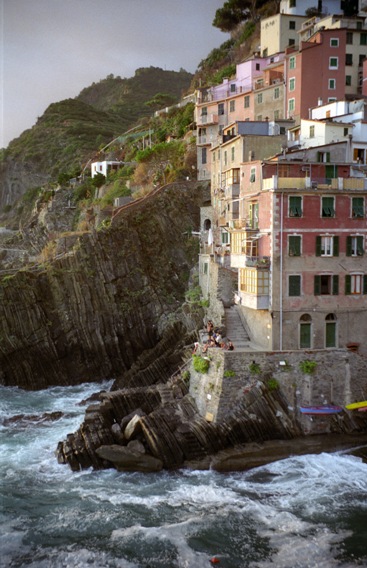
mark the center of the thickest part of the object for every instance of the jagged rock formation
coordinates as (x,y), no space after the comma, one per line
(93,312)
(165,419)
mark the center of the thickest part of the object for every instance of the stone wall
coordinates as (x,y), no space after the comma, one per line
(340,377)
(218,285)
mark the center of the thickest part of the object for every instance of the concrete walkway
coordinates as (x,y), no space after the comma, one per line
(236,331)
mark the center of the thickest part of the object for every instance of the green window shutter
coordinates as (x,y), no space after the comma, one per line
(318,246)
(365,284)
(358,207)
(295,246)
(347,284)
(335,285)
(349,246)
(328,156)
(335,246)
(294,285)
(305,335)
(360,250)
(319,157)
(330,335)
(317,285)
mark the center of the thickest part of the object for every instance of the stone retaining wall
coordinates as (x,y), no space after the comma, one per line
(340,377)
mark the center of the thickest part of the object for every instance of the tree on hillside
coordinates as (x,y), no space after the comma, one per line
(234,12)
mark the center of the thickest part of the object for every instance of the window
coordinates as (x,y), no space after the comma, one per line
(327,246)
(305,331)
(363,38)
(348,59)
(355,246)
(247,101)
(257,66)
(203,155)
(330,331)
(349,39)
(260,98)
(326,284)
(292,25)
(225,157)
(254,215)
(312,131)
(225,238)
(333,62)
(294,285)
(259,117)
(253,175)
(327,207)
(348,80)
(332,84)
(276,93)
(204,111)
(291,42)
(233,88)
(294,245)
(345,131)
(355,284)
(220,109)
(295,206)
(232,153)
(358,207)
(291,105)
(361,58)
(323,156)
(292,84)
(292,63)
(276,116)
(292,3)
(254,281)
(232,106)
(334,42)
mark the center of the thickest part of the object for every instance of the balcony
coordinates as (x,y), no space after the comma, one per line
(207,119)
(258,262)
(232,191)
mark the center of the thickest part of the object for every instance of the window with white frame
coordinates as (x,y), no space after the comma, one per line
(232,106)
(355,245)
(291,105)
(292,84)
(327,245)
(332,84)
(260,98)
(334,42)
(312,131)
(276,93)
(292,63)
(333,62)
(354,283)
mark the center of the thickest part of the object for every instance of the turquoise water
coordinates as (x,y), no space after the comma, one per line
(308,511)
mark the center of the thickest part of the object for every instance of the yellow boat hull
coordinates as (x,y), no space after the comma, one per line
(355,405)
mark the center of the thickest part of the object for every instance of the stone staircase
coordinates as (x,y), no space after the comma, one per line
(235,330)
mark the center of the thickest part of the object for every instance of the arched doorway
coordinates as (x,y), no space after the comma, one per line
(305,329)
(330,331)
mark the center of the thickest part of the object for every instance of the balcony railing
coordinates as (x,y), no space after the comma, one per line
(333,184)
(207,119)
(258,261)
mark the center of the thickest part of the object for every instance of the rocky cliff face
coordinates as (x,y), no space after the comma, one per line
(93,312)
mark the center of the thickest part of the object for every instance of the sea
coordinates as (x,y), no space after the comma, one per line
(304,511)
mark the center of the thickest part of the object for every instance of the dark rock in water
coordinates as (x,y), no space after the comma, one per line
(96,396)
(126,459)
(26,419)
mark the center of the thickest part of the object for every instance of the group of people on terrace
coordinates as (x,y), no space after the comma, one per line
(215,339)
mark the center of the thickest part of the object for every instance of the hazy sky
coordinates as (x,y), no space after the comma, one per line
(52,49)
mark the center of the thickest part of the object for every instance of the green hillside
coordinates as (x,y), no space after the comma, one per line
(70,131)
